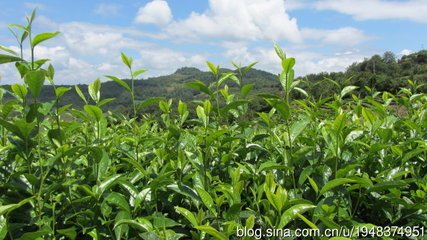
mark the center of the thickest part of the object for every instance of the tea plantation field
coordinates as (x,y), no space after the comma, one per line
(207,169)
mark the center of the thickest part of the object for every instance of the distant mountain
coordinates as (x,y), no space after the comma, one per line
(386,73)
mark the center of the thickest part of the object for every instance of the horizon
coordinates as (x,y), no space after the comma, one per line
(163,36)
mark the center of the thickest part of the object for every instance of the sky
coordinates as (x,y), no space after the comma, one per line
(162,36)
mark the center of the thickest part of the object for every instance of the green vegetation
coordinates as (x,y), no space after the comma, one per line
(204,169)
(389,75)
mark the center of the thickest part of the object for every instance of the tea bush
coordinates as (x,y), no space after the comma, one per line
(342,161)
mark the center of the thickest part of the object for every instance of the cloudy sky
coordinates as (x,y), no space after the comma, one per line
(324,35)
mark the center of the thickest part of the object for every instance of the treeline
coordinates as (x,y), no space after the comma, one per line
(382,73)
(378,73)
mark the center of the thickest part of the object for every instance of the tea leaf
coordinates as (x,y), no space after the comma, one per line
(43,37)
(9,58)
(34,81)
(126,60)
(335,183)
(212,231)
(291,213)
(120,82)
(188,215)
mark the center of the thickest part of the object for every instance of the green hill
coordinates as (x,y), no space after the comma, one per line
(385,73)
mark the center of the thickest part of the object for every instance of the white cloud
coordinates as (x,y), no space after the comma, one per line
(162,61)
(33,5)
(413,10)
(296,4)
(104,40)
(306,61)
(155,12)
(107,9)
(406,52)
(246,20)
(346,36)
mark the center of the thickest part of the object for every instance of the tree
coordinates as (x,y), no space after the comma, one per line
(389,57)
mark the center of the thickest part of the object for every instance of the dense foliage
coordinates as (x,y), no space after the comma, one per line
(346,160)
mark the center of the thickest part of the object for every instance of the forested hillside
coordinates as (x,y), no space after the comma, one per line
(382,73)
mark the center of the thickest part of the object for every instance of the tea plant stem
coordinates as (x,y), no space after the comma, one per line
(356,207)
(132,93)
(288,129)
(205,159)
(217,100)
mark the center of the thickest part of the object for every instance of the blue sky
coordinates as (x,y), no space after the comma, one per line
(162,36)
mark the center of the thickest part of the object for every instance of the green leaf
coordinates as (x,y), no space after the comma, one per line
(106,184)
(212,231)
(104,163)
(381,186)
(182,108)
(202,115)
(302,91)
(118,200)
(32,17)
(213,68)
(50,71)
(24,128)
(200,86)
(19,90)
(138,72)
(80,93)
(162,222)
(335,183)
(246,89)
(308,222)
(94,112)
(60,91)
(164,106)
(12,127)
(35,235)
(250,222)
(298,127)
(68,232)
(347,90)
(10,207)
(288,64)
(185,191)
(8,50)
(43,37)
(281,106)
(135,164)
(188,215)
(105,101)
(34,81)
(94,90)
(126,60)
(149,101)
(291,213)
(339,122)
(142,225)
(94,234)
(33,112)
(9,58)
(313,185)
(206,198)
(234,105)
(279,52)
(120,82)
(247,68)
(3,227)
(224,77)
(122,229)
(369,116)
